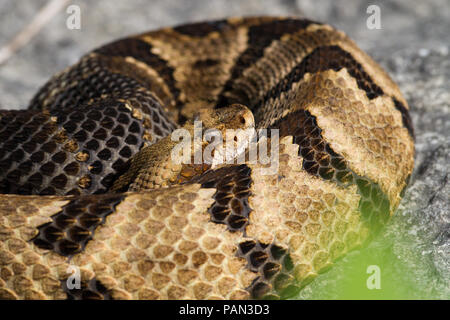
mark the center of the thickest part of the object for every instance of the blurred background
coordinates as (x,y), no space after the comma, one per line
(412,45)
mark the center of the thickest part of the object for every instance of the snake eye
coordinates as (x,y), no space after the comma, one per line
(242,120)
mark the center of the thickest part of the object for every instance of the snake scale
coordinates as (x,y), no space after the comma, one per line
(84,184)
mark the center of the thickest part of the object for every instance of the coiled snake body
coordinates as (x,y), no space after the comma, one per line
(77,166)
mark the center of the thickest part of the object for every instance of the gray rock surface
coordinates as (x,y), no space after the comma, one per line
(413,46)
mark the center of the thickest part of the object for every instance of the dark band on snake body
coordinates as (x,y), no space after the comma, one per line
(202,29)
(90,290)
(142,51)
(260,37)
(74,226)
(232,186)
(406,118)
(322,59)
(274,267)
(320,160)
(271,262)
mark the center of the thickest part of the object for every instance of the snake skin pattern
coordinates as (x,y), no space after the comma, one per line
(345,156)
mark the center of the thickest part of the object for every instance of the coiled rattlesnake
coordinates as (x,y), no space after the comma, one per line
(346,150)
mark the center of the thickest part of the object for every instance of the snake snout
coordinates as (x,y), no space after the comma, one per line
(237,116)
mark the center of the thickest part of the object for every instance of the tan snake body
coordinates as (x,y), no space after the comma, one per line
(229,232)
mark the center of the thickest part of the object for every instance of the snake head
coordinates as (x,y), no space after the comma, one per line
(234,116)
(236,125)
